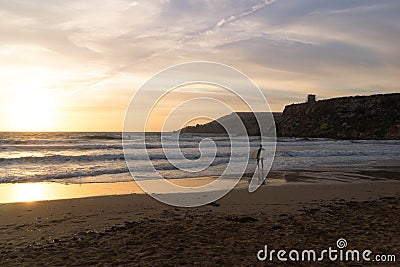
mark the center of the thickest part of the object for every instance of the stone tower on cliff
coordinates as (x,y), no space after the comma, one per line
(311,99)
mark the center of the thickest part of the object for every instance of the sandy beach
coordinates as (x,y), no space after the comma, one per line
(136,230)
(199,133)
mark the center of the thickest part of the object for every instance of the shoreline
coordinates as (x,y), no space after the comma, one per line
(386,172)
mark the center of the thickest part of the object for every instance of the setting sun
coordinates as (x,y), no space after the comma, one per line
(31,110)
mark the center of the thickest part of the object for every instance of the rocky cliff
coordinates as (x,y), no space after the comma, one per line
(248,119)
(357,117)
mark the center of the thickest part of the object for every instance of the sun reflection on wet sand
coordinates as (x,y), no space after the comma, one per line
(30,192)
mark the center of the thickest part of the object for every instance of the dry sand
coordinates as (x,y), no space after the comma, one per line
(132,230)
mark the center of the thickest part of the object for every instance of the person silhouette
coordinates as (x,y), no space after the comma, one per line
(260,157)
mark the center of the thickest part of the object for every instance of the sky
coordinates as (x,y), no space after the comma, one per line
(75,65)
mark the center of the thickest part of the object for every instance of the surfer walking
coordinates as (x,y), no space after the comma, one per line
(260,157)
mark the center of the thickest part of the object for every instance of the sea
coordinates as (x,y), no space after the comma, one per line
(99,157)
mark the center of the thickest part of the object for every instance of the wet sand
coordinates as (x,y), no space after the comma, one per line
(133,230)
(24,192)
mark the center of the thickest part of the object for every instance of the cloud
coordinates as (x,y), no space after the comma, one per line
(290,46)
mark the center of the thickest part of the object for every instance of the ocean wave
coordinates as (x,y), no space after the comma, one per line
(60,176)
(102,137)
(55,138)
(54,159)
(317,154)
(36,145)
(60,159)
(76,174)
(169,166)
(191,156)
(60,147)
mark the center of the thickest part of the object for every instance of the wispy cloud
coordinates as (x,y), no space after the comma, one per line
(225,21)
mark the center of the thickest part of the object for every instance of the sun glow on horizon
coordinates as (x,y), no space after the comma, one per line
(31,109)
